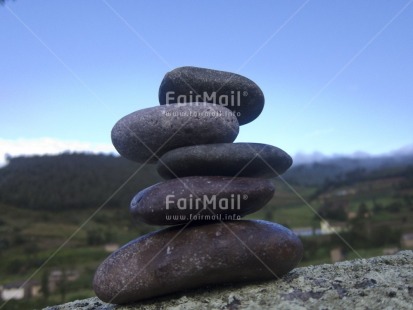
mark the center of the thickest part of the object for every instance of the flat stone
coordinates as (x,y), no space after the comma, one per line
(200,199)
(144,135)
(184,257)
(225,159)
(234,91)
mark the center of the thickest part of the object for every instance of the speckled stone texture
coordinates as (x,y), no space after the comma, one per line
(184,257)
(160,129)
(234,91)
(226,159)
(197,198)
(384,282)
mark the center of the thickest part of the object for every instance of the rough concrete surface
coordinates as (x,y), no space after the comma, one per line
(384,282)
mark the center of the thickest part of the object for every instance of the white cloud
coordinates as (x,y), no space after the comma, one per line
(40,146)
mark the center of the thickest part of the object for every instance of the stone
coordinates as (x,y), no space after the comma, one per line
(296,290)
(234,91)
(144,135)
(225,159)
(185,257)
(200,198)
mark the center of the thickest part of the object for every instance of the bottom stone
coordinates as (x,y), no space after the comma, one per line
(180,258)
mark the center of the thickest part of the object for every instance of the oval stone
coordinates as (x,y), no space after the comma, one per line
(180,258)
(146,134)
(200,198)
(234,91)
(226,159)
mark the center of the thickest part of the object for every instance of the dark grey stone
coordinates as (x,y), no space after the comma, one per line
(200,199)
(225,159)
(146,134)
(184,257)
(234,91)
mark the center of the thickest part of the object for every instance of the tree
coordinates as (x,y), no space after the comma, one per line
(95,237)
(362,211)
(333,211)
(4,245)
(45,285)
(63,285)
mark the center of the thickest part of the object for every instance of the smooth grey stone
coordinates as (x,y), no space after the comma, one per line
(234,91)
(146,134)
(225,159)
(185,257)
(200,198)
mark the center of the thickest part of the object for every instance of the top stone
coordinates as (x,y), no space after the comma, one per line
(191,84)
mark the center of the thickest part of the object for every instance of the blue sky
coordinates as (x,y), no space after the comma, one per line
(337,75)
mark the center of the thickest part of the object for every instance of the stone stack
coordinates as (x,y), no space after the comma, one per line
(210,184)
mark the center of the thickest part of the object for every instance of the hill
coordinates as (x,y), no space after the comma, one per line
(59,214)
(72,181)
(340,168)
(80,180)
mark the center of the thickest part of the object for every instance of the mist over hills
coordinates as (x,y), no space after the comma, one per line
(319,172)
(316,168)
(308,158)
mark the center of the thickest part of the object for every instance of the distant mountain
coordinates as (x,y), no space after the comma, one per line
(303,158)
(308,158)
(335,168)
(403,151)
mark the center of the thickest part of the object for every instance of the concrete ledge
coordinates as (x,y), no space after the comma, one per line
(384,282)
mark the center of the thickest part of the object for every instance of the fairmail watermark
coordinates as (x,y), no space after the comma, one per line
(202,114)
(228,99)
(203,217)
(233,202)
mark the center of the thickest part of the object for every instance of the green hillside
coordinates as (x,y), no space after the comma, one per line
(72,181)
(59,213)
